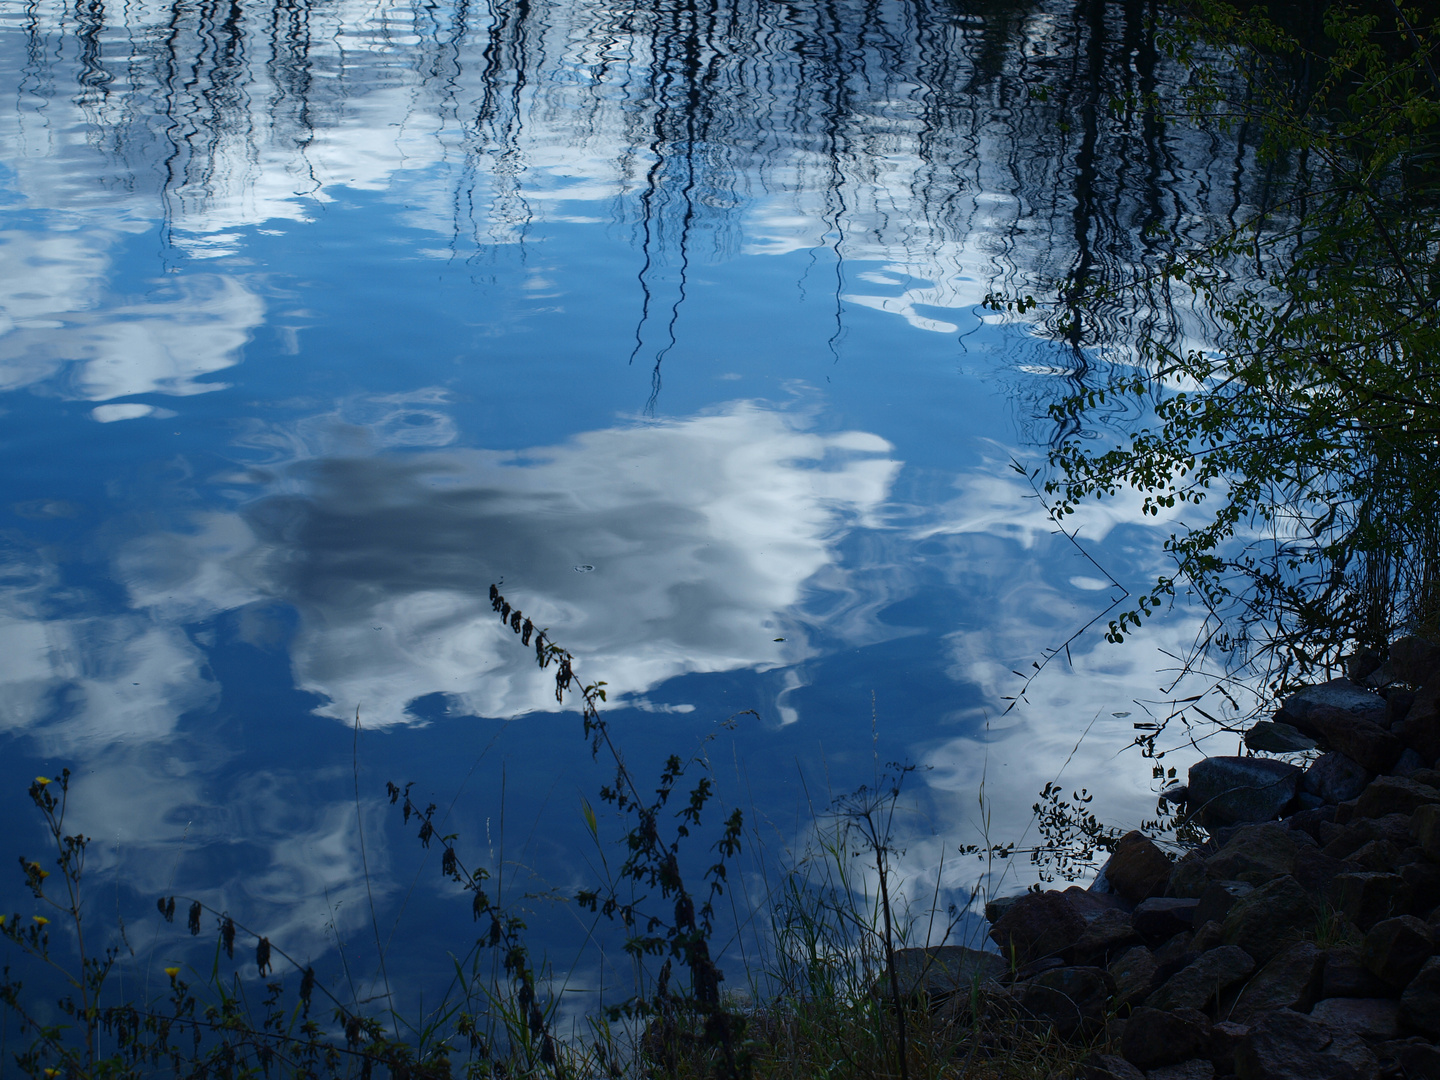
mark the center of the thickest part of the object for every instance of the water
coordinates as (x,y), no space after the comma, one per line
(322,317)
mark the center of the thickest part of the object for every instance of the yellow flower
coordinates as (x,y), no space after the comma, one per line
(52,1072)
(172,972)
(2,920)
(41,919)
(43,780)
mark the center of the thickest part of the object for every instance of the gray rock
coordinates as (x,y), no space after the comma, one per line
(1154,1038)
(1394,795)
(1273,737)
(1188,878)
(1203,981)
(1108,1067)
(1408,763)
(1219,897)
(1335,694)
(1420,1003)
(994,909)
(1417,1059)
(1225,1036)
(1235,790)
(1262,921)
(1369,1018)
(1366,742)
(1106,934)
(1291,980)
(940,971)
(1425,824)
(1286,1045)
(1194,1069)
(1413,660)
(1335,778)
(1256,854)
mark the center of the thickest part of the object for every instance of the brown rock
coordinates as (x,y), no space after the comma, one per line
(1236,790)
(1346,976)
(1376,856)
(1335,778)
(1367,898)
(1286,1045)
(1133,975)
(1422,722)
(1037,925)
(1291,980)
(1202,981)
(1420,1003)
(1106,934)
(1154,1038)
(1138,869)
(1262,921)
(1162,917)
(1425,825)
(1394,795)
(1108,1067)
(1255,854)
(1413,660)
(1071,999)
(1188,878)
(1396,949)
(1416,1058)
(1224,1038)
(1369,1018)
(1217,900)
(1194,1069)
(1315,870)
(1362,740)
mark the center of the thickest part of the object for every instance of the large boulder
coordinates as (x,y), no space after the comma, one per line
(1291,980)
(1162,917)
(1138,869)
(1364,741)
(1037,925)
(1071,999)
(1340,694)
(1367,898)
(1133,975)
(1262,921)
(1236,791)
(1286,1045)
(1204,980)
(1256,854)
(1393,795)
(1371,1019)
(1219,897)
(1273,737)
(1395,949)
(1420,1003)
(1346,976)
(1335,778)
(1154,1038)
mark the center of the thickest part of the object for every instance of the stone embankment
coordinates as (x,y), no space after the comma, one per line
(1301,941)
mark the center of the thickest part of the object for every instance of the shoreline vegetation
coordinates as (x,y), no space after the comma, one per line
(1275,920)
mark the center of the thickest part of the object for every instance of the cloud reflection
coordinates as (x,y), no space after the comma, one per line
(703,533)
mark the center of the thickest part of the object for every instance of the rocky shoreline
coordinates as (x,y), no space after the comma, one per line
(1298,943)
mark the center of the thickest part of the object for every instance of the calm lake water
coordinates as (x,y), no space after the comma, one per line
(320,317)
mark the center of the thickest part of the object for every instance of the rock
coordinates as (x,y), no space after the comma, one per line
(1339,694)
(1369,1018)
(1154,1038)
(994,909)
(1285,1045)
(1037,925)
(1107,933)
(1335,778)
(1273,737)
(1225,1036)
(1309,821)
(1208,935)
(1291,980)
(1195,986)
(1367,898)
(1071,999)
(1422,722)
(1425,825)
(1315,870)
(1345,840)
(1420,1003)
(1397,707)
(1416,1058)
(1133,975)
(1138,869)
(1413,660)
(1260,921)
(1377,856)
(1194,1069)
(1394,795)
(1235,790)
(942,970)
(1408,763)
(1346,976)
(1366,742)
(1188,878)
(1162,917)
(1396,949)
(1108,1067)
(1360,665)
(1256,854)
(1423,877)
(1218,898)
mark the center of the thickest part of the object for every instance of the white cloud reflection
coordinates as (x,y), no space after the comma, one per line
(703,533)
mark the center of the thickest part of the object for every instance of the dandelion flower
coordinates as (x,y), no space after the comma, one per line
(2,920)
(52,1072)
(43,780)
(172,972)
(41,919)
